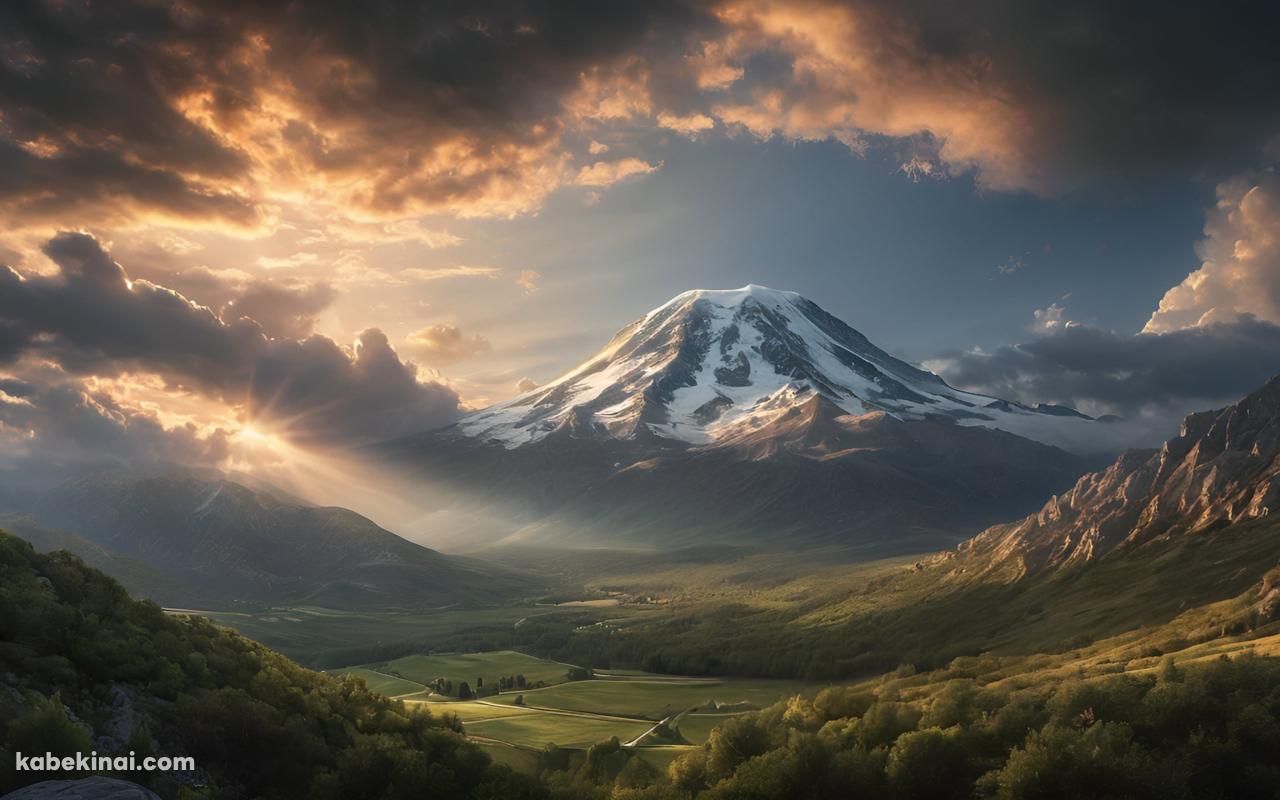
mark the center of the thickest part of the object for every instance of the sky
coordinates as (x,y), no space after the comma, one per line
(236,232)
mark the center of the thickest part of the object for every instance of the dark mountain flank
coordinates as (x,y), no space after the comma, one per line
(180,537)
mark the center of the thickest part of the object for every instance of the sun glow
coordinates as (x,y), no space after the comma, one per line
(252,435)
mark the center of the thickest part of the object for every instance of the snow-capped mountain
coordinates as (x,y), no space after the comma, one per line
(712,365)
(745,416)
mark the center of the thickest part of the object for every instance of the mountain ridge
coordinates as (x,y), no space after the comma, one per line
(231,544)
(1222,468)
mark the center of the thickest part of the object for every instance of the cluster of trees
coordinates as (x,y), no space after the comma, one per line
(1200,731)
(83,667)
(463,690)
(509,682)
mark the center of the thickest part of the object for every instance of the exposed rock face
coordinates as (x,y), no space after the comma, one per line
(96,788)
(1222,468)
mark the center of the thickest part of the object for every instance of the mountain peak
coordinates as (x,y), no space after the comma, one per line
(713,361)
(733,297)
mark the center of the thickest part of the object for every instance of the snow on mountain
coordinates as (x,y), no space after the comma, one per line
(715,364)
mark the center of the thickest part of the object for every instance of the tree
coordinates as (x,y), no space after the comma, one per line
(688,772)
(464,691)
(931,763)
(1101,760)
(732,742)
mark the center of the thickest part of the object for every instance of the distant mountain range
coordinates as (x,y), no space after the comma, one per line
(182,537)
(747,415)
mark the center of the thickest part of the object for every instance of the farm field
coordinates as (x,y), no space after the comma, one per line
(390,685)
(657,698)
(696,728)
(539,728)
(573,714)
(469,710)
(424,669)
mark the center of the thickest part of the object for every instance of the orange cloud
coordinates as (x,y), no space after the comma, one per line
(857,70)
(607,173)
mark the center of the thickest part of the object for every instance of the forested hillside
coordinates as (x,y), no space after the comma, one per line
(1204,731)
(83,667)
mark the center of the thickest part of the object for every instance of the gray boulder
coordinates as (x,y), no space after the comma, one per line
(96,788)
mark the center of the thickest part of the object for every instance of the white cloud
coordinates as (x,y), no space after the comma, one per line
(1240,273)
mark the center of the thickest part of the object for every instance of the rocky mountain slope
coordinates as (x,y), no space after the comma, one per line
(1222,468)
(745,415)
(178,537)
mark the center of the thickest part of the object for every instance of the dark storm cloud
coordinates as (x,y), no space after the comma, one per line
(96,184)
(65,424)
(1028,95)
(91,320)
(283,311)
(1104,372)
(112,110)
(109,108)
(1128,88)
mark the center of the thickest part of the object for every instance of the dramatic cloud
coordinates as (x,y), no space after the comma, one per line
(1241,253)
(218,114)
(1029,95)
(1107,373)
(282,311)
(91,320)
(1214,337)
(216,111)
(66,423)
(441,345)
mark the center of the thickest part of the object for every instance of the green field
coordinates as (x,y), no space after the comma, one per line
(519,759)
(459,667)
(389,685)
(537,728)
(470,710)
(571,714)
(695,728)
(326,638)
(655,699)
